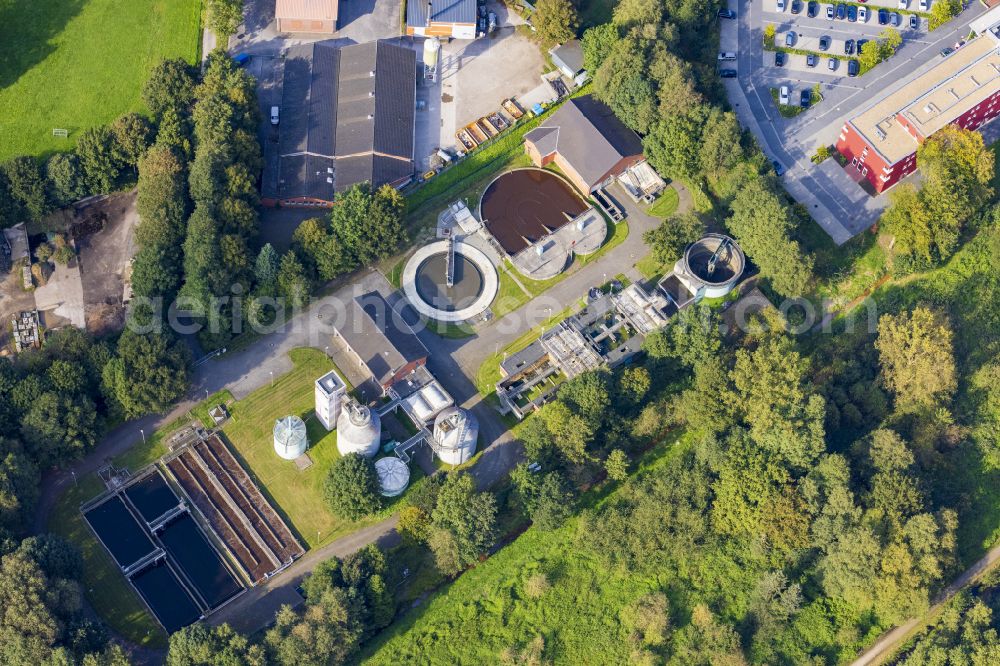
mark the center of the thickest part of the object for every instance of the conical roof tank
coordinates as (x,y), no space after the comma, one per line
(290,439)
(359,430)
(456,431)
(393,476)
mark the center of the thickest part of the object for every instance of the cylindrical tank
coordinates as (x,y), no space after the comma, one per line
(359,430)
(393,476)
(432,47)
(455,434)
(290,439)
(717,262)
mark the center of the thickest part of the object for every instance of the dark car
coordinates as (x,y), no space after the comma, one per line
(727,73)
(796,6)
(779,59)
(914,22)
(727,14)
(778,169)
(861,45)
(947,51)
(852,67)
(841,12)
(849,47)
(812,9)
(852,13)
(789,39)
(883,17)
(824,42)
(811,60)
(804,99)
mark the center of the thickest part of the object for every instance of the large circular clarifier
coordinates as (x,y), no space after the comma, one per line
(432,282)
(425,282)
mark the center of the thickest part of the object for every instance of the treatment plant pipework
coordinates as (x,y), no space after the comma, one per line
(426,276)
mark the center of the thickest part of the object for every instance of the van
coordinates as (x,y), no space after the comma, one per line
(727,55)
(274,115)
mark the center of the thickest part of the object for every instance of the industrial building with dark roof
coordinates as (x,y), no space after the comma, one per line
(443,18)
(347,117)
(586,140)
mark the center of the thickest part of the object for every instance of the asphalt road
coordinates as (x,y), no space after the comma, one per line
(835,201)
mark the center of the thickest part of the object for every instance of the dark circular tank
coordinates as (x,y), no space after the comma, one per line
(715,259)
(432,284)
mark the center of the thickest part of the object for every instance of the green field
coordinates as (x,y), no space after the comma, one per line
(665,205)
(74,64)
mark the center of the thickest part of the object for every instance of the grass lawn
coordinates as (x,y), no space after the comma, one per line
(105,588)
(74,64)
(665,206)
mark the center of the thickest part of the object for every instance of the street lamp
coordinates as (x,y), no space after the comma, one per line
(272,378)
(143,433)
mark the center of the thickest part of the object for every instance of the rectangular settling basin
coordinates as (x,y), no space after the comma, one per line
(152,497)
(182,538)
(164,594)
(119,532)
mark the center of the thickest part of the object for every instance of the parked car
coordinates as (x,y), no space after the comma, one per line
(904,4)
(781,5)
(727,13)
(811,60)
(947,51)
(727,73)
(863,14)
(852,67)
(274,115)
(779,58)
(925,5)
(778,169)
(849,47)
(852,13)
(824,42)
(783,95)
(796,6)
(804,99)
(914,22)
(883,17)
(831,64)
(895,20)
(727,55)
(829,12)
(841,11)
(241,59)
(812,9)
(861,45)
(789,39)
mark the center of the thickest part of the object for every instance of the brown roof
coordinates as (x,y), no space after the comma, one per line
(310,10)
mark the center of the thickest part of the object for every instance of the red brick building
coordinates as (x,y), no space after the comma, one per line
(963,89)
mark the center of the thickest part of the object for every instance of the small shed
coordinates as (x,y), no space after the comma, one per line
(568,58)
(307,16)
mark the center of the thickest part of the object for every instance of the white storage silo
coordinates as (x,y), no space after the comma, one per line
(393,476)
(359,430)
(432,48)
(455,434)
(290,439)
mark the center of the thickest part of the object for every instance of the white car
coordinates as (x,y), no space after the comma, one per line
(863,14)
(925,5)
(903,4)
(781,5)
(727,55)
(783,95)
(274,115)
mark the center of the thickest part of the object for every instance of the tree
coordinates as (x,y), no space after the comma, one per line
(667,241)
(555,21)
(707,641)
(916,357)
(98,159)
(570,433)
(266,267)
(672,144)
(60,428)
(761,223)
(463,523)
(351,489)
(26,184)
(324,634)
(616,465)
(224,17)
(163,208)
(648,617)
(623,83)
(635,14)
(170,85)
(870,55)
(942,12)
(546,497)
(201,645)
(633,385)
(132,134)
(293,285)
(148,374)
(313,242)
(597,43)
(64,179)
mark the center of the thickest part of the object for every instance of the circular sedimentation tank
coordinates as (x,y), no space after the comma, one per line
(290,438)
(717,262)
(474,286)
(393,476)
(456,432)
(359,430)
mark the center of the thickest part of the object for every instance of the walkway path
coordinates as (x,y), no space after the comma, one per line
(892,641)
